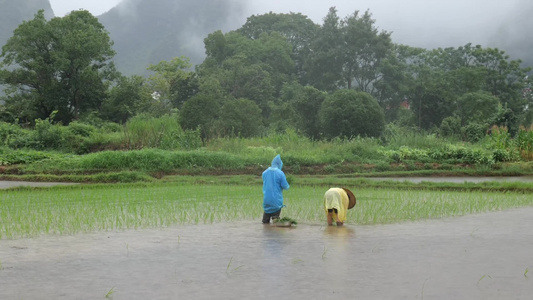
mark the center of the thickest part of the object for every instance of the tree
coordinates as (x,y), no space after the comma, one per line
(128,98)
(201,111)
(298,29)
(442,76)
(324,65)
(364,52)
(480,107)
(241,117)
(348,113)
(247,68)
(173,81)
(302,107)
(61,65)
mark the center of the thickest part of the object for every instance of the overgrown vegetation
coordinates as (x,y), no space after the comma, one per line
(158,146)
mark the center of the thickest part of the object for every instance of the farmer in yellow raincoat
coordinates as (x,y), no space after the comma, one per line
(337,201)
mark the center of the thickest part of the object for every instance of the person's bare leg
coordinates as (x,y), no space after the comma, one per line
(338,221)
(330,219)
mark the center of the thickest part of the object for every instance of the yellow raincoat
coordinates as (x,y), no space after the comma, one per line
(338,199)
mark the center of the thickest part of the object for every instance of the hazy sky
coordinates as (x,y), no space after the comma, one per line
(421,23)
(96,7)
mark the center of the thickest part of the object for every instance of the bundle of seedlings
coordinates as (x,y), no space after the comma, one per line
(284,222)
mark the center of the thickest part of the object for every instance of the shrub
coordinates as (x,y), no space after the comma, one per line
(48,135)
(473,132)
(348,113)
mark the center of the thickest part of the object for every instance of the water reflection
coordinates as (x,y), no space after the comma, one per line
(430,260)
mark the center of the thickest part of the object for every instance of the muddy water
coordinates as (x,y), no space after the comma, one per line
(482,256)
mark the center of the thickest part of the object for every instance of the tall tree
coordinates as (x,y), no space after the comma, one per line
(298,29)
(61,65)
(324,65)
(364,51)
(254,69)
(173,81)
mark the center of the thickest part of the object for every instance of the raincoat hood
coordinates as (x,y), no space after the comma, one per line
(277,163)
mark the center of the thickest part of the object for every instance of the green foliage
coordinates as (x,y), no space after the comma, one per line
(395,136)
(159,160)
(81,129)
(172,80)
(200,112)
(500,138)
(449,153)
(474,132)
(239,117)
(298,29)
(450,127)
(299,106)
(49,66)
(479,107)
(11,157)
(348,113)
(48,135)
(127,98)
(524,143)
(144,131)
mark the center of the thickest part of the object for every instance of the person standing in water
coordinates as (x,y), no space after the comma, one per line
(274,182)
(337,201)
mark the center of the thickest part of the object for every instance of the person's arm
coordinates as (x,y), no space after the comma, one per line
(284,184)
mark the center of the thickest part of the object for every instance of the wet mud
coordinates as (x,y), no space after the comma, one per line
(485,256)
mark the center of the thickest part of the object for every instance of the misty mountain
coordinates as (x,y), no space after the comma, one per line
(147,32)
(515,36)
(12,13)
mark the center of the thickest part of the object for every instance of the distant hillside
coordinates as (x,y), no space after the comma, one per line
(515,35)
(13,12)
(147,32)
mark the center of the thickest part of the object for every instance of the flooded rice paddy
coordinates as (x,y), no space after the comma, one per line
(485,256)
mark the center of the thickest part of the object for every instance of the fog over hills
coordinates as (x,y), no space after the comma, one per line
(145,32)
(151,31)
(12,13)
(148,31)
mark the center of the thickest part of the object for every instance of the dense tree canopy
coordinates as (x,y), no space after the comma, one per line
(342,78)
(61,65)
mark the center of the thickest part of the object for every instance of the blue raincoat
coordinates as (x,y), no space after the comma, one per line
(274,182)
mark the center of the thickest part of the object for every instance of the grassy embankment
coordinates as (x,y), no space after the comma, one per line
(407,154)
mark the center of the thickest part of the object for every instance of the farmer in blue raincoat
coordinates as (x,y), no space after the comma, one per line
(274,182)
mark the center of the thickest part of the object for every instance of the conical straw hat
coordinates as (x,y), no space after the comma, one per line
(351,197)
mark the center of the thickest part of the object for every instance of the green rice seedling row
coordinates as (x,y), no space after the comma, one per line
(79,209)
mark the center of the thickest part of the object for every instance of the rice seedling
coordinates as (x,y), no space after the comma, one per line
(324,253)
(109,294)
(483,277)
(297,261)
(423,286)
(525,272)
(28,212)
(229,269)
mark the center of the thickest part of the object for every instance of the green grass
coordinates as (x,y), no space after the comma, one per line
(27,212)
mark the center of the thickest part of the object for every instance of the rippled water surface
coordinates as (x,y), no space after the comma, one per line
(486,256)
